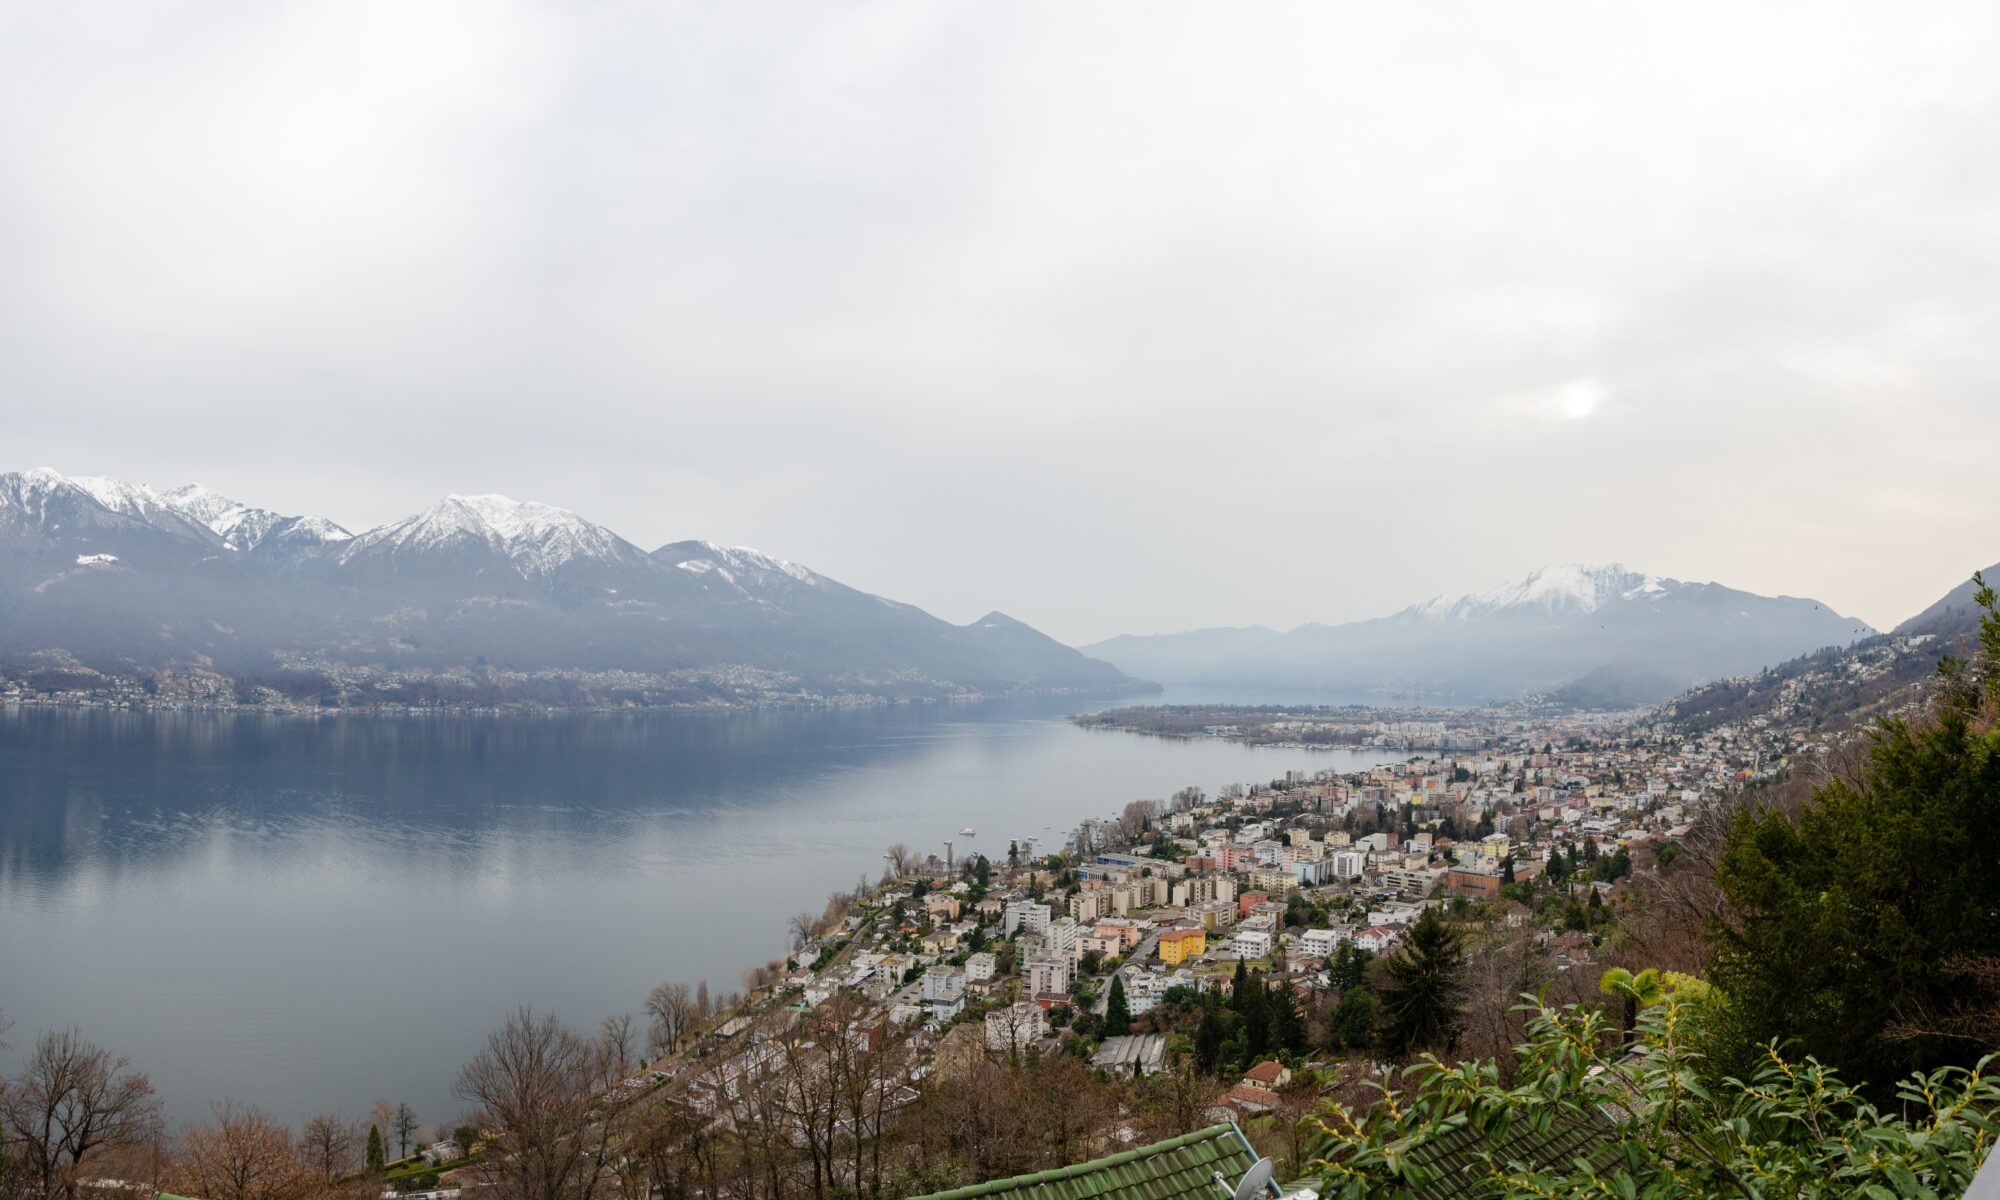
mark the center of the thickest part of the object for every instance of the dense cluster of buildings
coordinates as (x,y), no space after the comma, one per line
(1001,956)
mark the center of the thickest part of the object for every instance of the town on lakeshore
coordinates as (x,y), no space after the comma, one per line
(1531,832)
(1107,958)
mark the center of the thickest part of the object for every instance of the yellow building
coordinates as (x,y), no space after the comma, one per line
(1179,945)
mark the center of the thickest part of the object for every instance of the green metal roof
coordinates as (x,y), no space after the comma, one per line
(1179,1168)
(1559,1145)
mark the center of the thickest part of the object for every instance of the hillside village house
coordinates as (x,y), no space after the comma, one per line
(1269,1074)
(1377,939)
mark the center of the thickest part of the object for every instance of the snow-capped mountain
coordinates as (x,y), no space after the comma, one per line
(537,540)
(1569,589)
(751,574)
(80,507)
(120,577)
(98,515)
(1603,633)
(248,529)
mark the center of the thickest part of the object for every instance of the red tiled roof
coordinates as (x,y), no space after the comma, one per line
(1250,1098)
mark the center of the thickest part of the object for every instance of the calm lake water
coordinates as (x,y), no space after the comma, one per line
(311,914)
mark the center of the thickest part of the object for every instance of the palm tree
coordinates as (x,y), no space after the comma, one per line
(1642,990)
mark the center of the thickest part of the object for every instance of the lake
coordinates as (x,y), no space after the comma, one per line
(309,914)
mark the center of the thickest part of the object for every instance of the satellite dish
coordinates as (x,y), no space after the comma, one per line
(1255,1180)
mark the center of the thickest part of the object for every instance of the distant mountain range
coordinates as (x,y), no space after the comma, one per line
(1600,635)
(477,597)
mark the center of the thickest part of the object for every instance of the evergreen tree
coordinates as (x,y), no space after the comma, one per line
(1858,926)
(1352,1025)
(1256,1019)
(377,1154)
(1348,966)
(1421,1007)
(1239,992)
(1117,1014)
(1208,1038)
(1288,1024)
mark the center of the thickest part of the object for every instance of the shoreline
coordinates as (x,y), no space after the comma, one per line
(855,702)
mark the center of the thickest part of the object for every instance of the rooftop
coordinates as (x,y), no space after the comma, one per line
(1181,1168)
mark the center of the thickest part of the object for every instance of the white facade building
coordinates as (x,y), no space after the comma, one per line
(1025,915)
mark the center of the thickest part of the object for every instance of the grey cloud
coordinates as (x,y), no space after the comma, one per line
(1117,317)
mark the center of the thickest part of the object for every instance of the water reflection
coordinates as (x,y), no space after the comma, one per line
(314,913)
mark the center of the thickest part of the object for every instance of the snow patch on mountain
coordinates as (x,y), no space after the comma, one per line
(746,561)
(244,527)
(132,499)
(536,538)
(1567,589)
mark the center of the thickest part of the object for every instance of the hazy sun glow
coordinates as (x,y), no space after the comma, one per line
(1579,399)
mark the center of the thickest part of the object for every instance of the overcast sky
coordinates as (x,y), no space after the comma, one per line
(1117,317)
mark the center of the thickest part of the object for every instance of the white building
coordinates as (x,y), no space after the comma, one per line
(1025,915)
(1251,943)
(1061,939)
(944,983)
(1048,974)
(1319,942)
(979,966)
(1378,938)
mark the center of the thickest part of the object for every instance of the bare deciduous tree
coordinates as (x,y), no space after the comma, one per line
(72,1100)
(671,1006)
(330,1147)
(1297,1101)
(619,1039)
(668,1151)
(406,1125)
(1137,817)
(243,1155)
(901,859)
(537,1083)
(1177,1101)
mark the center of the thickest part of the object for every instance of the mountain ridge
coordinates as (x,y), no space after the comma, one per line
(1604,631)
(109,576)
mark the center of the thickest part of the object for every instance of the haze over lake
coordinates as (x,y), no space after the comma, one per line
(311,914)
